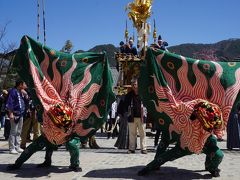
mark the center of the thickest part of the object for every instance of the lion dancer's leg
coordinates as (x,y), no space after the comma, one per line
(214,156)
(35,146)
(93,143)
(48,156)
(73,147)
(162,146)
(163,156)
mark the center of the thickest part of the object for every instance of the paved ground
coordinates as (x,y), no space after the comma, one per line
(110,163)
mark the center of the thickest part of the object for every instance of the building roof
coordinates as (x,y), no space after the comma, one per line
(115,75)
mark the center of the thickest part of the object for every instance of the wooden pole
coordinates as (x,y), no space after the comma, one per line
(126,33)
(144,40)
(38,19)
(44,23)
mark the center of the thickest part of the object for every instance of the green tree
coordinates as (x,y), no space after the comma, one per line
(67,47)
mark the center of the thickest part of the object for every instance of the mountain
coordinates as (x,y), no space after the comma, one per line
(226,50)
(108,48)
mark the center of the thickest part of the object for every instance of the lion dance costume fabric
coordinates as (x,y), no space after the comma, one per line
(190,100)
(72,92)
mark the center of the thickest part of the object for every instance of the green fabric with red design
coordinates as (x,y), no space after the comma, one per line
(81,82)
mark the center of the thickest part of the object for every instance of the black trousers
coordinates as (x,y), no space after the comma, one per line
(7,128)
(109,125)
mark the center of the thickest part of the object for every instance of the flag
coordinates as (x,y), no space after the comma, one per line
(81,82)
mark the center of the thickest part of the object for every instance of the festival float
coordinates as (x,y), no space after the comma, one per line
(129,64)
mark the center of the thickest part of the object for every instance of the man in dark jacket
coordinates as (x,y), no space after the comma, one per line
(135,111)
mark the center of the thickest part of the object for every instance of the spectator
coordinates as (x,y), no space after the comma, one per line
(133,48)
(135,114)
(130,48)
(4,114)
(123,136)
(161,44)
(233,129)
(112,121)
(3,98)
(30,121)
(121,50)
(16,107)
(122,47)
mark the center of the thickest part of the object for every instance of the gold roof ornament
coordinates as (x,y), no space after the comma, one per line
(139,12)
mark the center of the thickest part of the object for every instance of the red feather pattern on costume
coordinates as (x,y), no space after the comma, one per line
(50,92)
(180,103)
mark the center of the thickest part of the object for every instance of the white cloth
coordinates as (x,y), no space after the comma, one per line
(113,110)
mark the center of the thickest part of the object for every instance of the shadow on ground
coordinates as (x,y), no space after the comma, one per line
(4,151)
(232,151)
(166,173)
(31,171)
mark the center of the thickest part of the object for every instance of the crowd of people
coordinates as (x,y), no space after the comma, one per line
(131,115)
(18,117)
(129,47)
(127,118)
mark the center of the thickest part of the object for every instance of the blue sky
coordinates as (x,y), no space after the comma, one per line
(88,23)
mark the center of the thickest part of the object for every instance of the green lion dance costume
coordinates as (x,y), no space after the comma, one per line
(191,101)
(72,93)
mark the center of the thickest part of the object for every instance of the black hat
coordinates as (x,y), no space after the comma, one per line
(121,43)
(159,38)
(130,39)
(18,82)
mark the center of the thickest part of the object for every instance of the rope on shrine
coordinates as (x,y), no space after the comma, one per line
(113,127)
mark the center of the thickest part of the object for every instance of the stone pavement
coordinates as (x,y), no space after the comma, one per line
(110,163)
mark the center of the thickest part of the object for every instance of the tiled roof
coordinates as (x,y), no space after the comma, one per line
(115,74)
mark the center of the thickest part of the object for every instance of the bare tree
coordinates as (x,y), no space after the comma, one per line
(4,46)
(7,53)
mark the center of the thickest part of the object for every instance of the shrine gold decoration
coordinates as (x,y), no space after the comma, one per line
(139,12)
